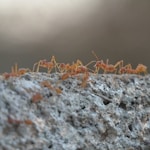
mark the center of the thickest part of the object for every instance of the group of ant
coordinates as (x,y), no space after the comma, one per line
(68,70)
(78,67)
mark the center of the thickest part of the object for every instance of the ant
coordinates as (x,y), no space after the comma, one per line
(46,64)
(127,69)
(15,72)
(16,122)
(49,86)
(77,68)
(106,67)
(141,69)
(64,67)
(80,68)
(37,97)
(138,70)
(69,70)
(85,79)
(19,71)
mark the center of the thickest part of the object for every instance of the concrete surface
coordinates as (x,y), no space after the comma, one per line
(39,111)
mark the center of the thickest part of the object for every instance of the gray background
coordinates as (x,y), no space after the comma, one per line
(70,29)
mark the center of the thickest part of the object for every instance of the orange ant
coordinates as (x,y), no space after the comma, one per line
(64,67)
(85,79)
(48,85)
(15,72)
(19,71)
(46,64)
(74,69)
(128,69)
(69,70)
(80,68)
(106,67)
(77,68)
(141,69)
(15,121)
(83,69)
(65,76)
(37,97)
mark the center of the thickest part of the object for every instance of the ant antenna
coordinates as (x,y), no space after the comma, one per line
(95,55)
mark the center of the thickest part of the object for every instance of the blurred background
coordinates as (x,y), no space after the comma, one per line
(31,30)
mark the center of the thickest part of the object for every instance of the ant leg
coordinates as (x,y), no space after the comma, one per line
(95,55)
(85,80)
(120,64)
(105,68)
(93,61)
(38,66)
(36,69)
(33,69)
(79,63)
(49,70)
(86,66)
(53,60)
(14,69)
(96,70)
(61,67)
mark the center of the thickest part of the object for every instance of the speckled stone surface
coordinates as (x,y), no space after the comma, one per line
(111,113)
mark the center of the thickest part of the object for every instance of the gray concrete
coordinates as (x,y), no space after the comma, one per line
(111,113)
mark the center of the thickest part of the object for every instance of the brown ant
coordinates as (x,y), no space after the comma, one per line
(77,68)
(37,97)
(48,85)
(85,79)
(106,67)
(138,70)
(46,64)
(19,71)
(127,69)
(15,72)
(141,69)
(64,67)
(16,121)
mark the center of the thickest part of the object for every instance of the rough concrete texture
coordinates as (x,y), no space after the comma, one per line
(111,113)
